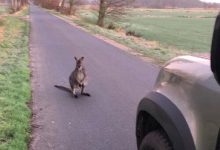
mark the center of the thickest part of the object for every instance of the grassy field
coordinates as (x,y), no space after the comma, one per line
(181,29)
(15,87)
(165,33)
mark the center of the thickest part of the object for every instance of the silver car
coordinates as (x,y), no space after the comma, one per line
(183,110)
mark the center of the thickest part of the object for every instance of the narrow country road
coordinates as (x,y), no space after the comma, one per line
(117,82)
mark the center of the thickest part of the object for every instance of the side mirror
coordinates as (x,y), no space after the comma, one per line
(215,50)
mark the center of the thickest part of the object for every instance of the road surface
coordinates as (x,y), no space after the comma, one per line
(117,82)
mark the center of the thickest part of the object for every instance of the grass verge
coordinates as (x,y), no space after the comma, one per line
(15,88)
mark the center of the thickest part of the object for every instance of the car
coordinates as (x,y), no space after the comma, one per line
(182,112)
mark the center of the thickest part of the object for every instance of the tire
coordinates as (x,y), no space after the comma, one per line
(156,140)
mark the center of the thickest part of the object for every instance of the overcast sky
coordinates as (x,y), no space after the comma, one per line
(216,1)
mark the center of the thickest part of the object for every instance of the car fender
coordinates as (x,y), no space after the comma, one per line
(170,118)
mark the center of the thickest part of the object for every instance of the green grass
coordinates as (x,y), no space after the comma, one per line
(186,30)
(3,9)
(176,32)
(15,89)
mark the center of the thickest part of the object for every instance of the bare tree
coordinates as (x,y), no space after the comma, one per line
(113,8)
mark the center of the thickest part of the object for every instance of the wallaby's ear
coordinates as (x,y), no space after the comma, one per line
(76,58)
(82,58)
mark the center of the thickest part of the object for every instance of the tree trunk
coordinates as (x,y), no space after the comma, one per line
(62,6)
(101,20)
(12,5)
(102,11)
(23,3)
(18,5)
(70,9)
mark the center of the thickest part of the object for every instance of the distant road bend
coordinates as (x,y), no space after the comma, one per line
(117,82)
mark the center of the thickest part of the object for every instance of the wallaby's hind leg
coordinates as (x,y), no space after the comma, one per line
(82,91)
(74,93)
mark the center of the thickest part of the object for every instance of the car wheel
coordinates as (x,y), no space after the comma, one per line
(156,140)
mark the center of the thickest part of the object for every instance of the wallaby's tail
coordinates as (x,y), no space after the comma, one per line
(63,88)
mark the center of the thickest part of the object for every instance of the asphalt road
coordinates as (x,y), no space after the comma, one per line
(117,82)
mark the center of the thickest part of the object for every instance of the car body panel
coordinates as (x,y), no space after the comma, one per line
(169,117)
(189,83)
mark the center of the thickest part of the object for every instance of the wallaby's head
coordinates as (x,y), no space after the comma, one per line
(79,63)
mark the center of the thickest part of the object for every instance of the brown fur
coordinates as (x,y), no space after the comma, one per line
(77,79)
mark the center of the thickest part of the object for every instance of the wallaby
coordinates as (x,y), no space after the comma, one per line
(77,79)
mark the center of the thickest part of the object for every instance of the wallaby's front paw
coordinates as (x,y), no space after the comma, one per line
(75,96)
(86,94)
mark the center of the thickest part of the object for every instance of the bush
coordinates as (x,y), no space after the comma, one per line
(111,26)
(133,33)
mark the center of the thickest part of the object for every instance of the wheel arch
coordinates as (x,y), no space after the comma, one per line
(165,115)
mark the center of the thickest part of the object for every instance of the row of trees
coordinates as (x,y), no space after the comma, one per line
(113,8)
(107,8)
(16,5)
(63,6)
(50,4)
